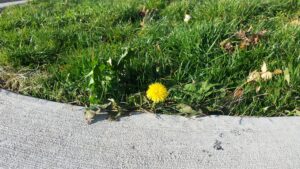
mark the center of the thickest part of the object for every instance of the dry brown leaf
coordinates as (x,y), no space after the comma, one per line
(90,114)
(264,67)
(244,44)
(144,12)
(262,33)
(277,72)
(224,42)
(255,38)
(241,34)
(245,39)
(295,22)
(238,92)
(266,75)
(257,89)
(253,76)
(227,45)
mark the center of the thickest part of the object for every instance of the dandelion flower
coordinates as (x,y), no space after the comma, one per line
(157,92)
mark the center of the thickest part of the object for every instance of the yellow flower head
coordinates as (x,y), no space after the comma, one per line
(157,92)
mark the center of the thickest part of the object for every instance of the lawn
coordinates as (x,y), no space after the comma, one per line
(233,57)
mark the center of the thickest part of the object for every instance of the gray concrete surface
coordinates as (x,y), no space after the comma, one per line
(40,134)
(6,3)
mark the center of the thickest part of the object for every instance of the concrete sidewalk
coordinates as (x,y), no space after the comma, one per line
(40,134)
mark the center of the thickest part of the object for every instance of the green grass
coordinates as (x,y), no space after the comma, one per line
(69,43)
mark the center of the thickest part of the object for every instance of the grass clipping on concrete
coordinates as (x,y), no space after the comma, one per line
(234,57)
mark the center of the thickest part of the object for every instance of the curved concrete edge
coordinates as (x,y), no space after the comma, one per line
(36,133)
(6,4)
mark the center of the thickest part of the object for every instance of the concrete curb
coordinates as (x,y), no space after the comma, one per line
(6,4)
(36,133)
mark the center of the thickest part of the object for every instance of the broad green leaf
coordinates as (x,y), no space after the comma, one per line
(187,110)
(205,87)
(297,112)
(105,106)
(191,87)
